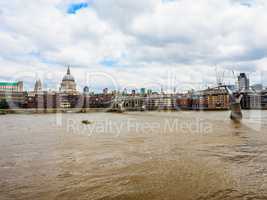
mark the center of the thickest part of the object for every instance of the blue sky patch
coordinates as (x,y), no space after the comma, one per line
(109,62)
(167,1)
(73,8)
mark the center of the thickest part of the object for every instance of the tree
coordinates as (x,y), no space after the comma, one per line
(4,104)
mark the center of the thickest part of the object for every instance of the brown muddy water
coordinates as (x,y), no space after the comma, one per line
(148,155)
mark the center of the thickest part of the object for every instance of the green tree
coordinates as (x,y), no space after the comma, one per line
(4,104)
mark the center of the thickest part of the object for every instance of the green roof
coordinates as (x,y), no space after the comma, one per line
(8,83)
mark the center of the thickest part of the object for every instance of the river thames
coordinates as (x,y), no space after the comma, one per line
(138,155)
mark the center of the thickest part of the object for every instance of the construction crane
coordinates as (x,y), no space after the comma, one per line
(219,77)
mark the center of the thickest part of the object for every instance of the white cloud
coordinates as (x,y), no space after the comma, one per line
(147,39)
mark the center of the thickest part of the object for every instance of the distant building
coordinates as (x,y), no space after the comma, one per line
(38,86)
(257,87)
(209,99)
(143,91)
(149,91)
(11,94)
(217,98)
(184,101)
(124,92)
(11,86)
(13,99)
(86,97)
(243,82)
(105,91)
(86,90)
(68,97)
(232,87)
(251,100)
(68,84)
(114,92)
(264,99)
(161,90)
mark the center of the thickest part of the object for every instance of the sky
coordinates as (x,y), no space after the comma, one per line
(180,44)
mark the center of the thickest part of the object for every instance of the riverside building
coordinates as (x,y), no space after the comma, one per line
(11,94)
(68,84)
(11,86)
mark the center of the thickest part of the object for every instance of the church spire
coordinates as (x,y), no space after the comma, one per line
(68,71)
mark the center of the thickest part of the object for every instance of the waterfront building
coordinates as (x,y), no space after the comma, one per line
(164,102)
(195,102)
(251,100)
(243,82)
(11,94)
(86,97)
(264,99)
(67,101)
(217,98)
(38,86)
(41,100)
(203,101)
(150,103)
(35,99)
(64,103)
(134,103)
(68,84)
(100,101)
(184,101)
(209,99)
(13,99)
(68,97)
(255,101)
(11,86)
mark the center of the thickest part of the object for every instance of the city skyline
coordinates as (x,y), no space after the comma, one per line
(171,86)
(240,81)
(133,99)
(146,49)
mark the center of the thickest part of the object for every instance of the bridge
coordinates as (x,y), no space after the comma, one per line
(141,103)
(122,103)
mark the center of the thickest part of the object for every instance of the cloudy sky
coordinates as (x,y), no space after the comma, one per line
(133,44)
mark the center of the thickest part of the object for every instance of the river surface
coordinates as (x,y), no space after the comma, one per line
(138,155)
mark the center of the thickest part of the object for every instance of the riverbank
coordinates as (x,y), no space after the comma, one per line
(43,111)
(93,110)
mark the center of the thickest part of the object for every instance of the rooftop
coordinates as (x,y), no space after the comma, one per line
(8,83)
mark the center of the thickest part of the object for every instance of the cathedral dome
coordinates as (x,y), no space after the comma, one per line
(68,83)
(68,76)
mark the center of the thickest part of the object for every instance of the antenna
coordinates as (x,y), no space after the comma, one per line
(236,79)
(174,85)
(219,77)
(234,74)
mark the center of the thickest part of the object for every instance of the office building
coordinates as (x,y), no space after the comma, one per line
(243,82)
(11,86)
